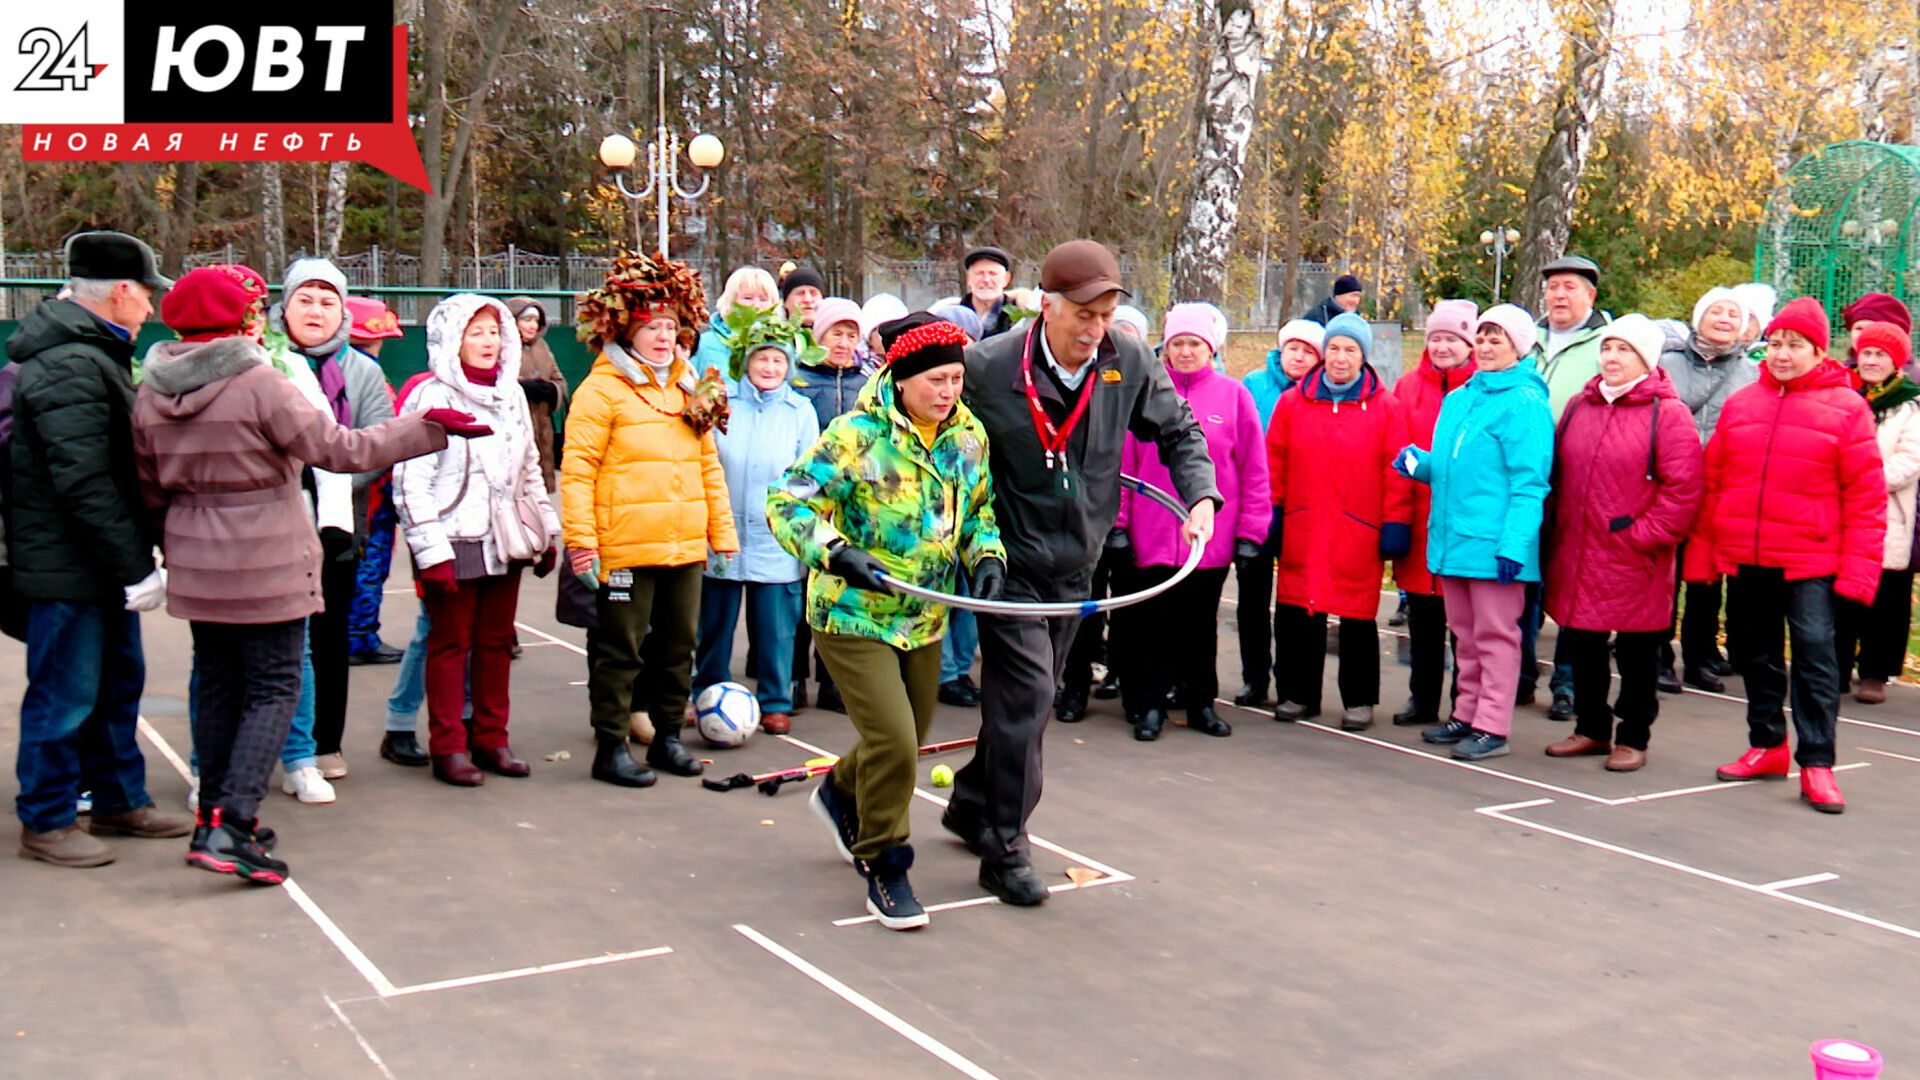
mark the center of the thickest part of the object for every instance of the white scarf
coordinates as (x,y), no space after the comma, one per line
(1615,393)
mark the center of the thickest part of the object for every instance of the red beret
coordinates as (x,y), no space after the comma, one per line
(212,301)
(1877,307)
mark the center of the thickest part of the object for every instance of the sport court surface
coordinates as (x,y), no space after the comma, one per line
(1290,902)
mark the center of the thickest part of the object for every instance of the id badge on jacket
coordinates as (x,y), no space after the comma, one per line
(620,587)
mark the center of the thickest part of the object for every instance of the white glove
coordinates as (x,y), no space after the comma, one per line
(150,593)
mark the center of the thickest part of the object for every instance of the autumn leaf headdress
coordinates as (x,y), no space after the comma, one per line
(636,286)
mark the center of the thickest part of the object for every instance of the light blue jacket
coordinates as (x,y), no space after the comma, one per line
(1267,384)
(767,433)
(715,348)
(1490,468)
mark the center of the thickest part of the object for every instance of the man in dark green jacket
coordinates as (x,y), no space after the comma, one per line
(1057,401)
(82,556)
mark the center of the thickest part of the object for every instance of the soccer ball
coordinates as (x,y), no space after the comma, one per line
(727,714)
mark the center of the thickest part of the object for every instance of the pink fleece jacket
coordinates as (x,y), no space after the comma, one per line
(1225,411)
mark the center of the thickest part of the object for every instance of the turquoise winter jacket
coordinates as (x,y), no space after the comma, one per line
(1267,384)
(1490,468)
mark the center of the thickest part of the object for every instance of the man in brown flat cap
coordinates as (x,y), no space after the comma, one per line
(1057,400)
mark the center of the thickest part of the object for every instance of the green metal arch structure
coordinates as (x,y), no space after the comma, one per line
(1843,222)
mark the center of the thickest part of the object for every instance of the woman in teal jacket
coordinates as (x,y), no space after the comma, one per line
(1490,469)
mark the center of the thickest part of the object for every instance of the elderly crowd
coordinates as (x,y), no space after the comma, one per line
(792,454)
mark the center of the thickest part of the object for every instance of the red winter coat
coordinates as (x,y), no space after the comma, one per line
(1419,393)
(1331,469)
(1794,481)
(1604,456)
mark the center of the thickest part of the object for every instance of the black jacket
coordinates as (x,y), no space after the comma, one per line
(1324,313)
(76,528)
(1053,538)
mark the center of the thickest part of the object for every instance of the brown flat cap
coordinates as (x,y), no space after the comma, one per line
(1082,271)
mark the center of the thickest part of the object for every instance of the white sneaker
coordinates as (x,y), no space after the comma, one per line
(308,786)
(193,795)
(333,766)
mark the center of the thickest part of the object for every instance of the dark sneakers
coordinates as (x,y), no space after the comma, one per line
(1070,706)
(232,847)
(1014,883)
(890,896)
(970,834)
(837,811)
(1561,709)
(1448,733)
(1479,746)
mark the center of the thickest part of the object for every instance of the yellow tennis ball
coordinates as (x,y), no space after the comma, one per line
(943,776)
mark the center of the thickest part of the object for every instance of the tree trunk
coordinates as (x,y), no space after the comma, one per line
(334,221)
(1556,174)
(445,164)
(180,218)
(273,220)
(1213,206)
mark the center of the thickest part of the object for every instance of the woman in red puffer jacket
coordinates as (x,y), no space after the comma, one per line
(1795,513)
(1445,365)
(1627,482)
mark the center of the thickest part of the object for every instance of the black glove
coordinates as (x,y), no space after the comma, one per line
(540,392)
(1619,523)
(988,579)
(1396,539)
(1244,552)
(338,545)
(1271,548)
(857,568)
(1119,544)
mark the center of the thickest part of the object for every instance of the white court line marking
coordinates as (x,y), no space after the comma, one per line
(867,1005)
(1718,785)
(364,964)
(1889,753)
(1706,875)
(1796,882)
(551,640)
(986,901)
(359,1038)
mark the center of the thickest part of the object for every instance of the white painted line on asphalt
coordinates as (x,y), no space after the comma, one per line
(987,901)
(1528,805)
(1888,753)
(867,1005)
(551,640)
(361,962)
(1796,882)
(1707,875)
(521,973)
(166,749)
(365,1046)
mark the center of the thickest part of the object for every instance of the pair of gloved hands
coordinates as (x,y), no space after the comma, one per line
(439,580)
(862,570)
(1120,543)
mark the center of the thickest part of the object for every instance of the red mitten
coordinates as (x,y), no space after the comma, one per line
(438,578)
(458,423)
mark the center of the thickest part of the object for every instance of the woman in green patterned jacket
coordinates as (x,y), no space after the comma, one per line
(896,488)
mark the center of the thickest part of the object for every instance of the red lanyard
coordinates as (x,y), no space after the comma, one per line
(1053,440)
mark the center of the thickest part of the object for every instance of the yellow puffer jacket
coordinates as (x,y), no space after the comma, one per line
(637,485)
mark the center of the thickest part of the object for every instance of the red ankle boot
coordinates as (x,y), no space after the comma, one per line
(1758,764)
(1818,790)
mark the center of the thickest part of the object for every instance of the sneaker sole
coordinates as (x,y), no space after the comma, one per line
(204,861)
(315,801)
(1823,807)
(820,811)
(1502,752)
(259,877)
(891,922)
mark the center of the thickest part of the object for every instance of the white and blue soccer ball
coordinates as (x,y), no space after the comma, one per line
(727,714)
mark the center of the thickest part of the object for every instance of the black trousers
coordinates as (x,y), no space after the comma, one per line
(1300,658)
(1021,660)
(1699,624)
(662,609)
(1877,634)
(1638,654)
(1429,639)
(1251,620)
(1090,640)
(328,634)
(1759,599)
(1169,641)
(246,686)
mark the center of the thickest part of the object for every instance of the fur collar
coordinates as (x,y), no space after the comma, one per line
(177,367)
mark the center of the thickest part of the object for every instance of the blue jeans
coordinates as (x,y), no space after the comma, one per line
(410,687)
(298,753)
(773,617)
(1560,683)
(963,637)
(85,673)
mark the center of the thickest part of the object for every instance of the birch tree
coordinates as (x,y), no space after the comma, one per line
(1588,25)
(1226,126)
(333,220)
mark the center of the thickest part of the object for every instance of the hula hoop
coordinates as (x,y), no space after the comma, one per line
(1070,607)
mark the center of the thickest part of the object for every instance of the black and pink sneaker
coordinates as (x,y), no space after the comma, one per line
(231,846)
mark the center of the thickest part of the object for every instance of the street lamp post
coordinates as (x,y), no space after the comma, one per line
(1499,243)
(617,153)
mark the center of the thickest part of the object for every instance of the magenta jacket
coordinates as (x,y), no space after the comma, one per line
(1637,462)
(1225,411)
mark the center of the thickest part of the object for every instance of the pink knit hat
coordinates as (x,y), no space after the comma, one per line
(1454,317)
(1515,321)
(1202,320)
(834,309)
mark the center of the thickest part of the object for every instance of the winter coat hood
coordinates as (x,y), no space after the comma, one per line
(445,327)
(186,377)
(1826,374)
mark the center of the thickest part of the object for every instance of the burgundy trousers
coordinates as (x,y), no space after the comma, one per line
(470,630)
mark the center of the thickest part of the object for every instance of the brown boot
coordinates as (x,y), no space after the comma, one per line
(776,723)
(64,847)
(1871,692)
(1625,759)
(457,769)
(501,760)
(1577,746)
(149,823)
